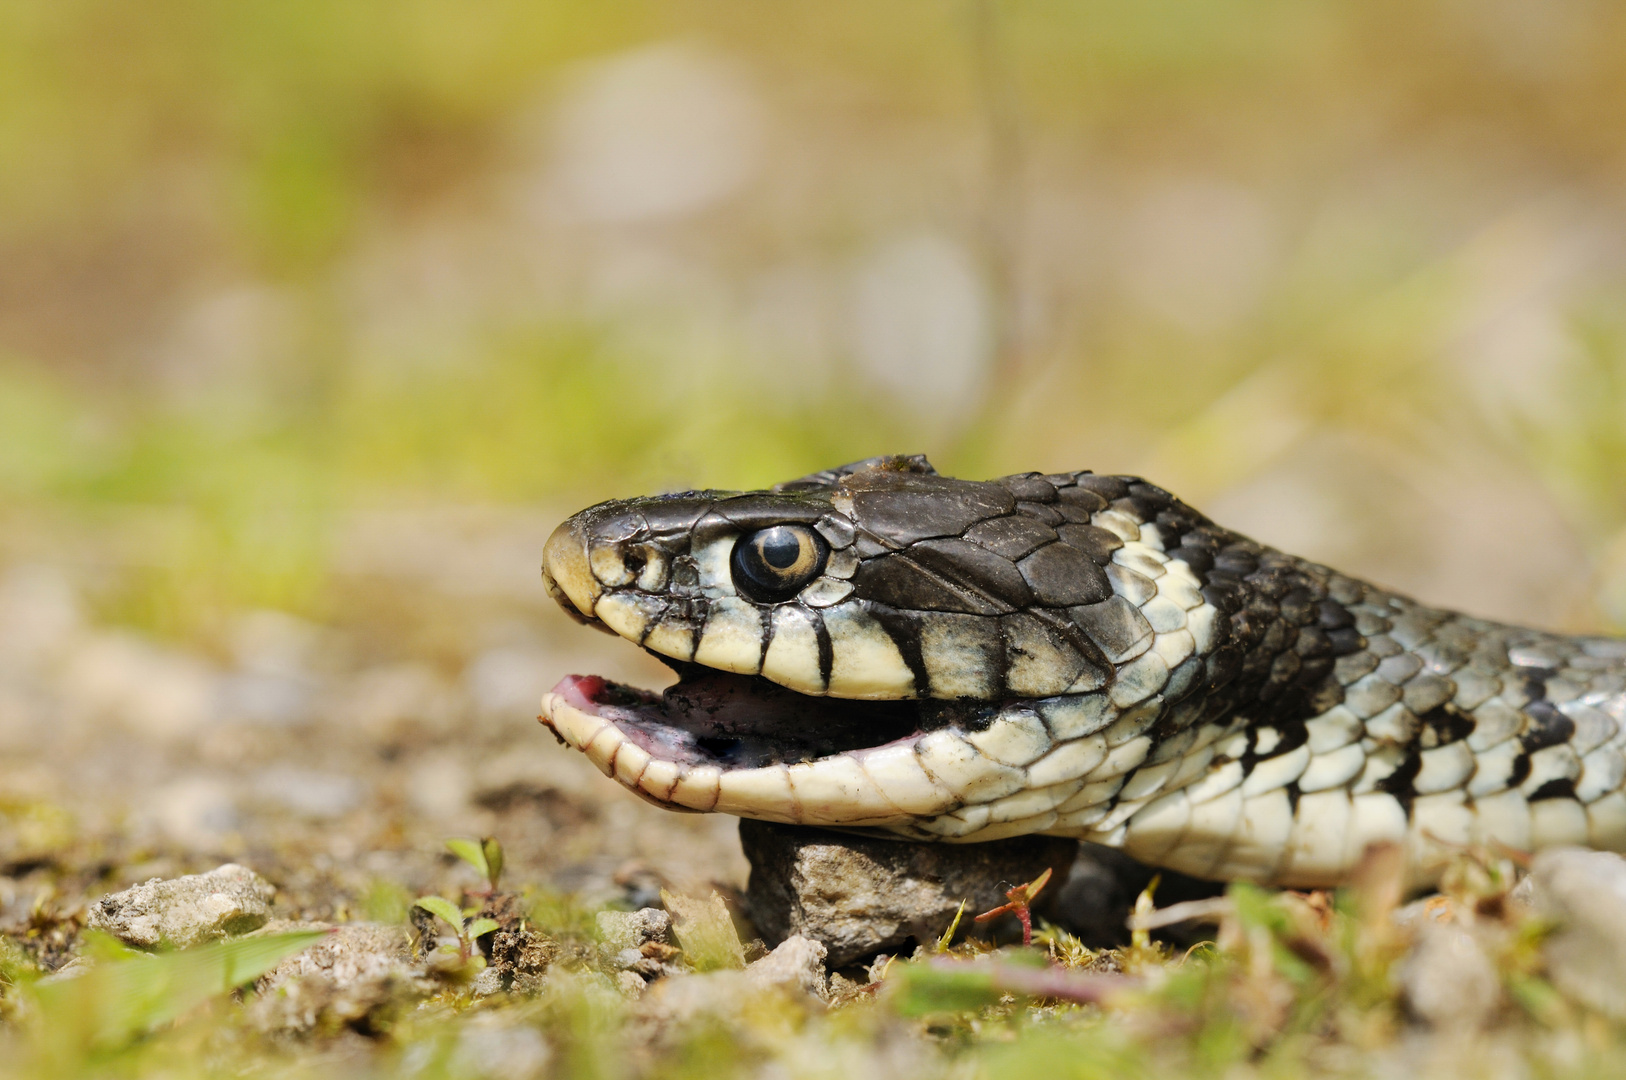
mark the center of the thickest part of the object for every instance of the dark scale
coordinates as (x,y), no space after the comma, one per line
(904,629)
(1399,782)
(1108,488)
(1546,727)
(1446,724)
(826,650)
(1042,512)
(1029,487)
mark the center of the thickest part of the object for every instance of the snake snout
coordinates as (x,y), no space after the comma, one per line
(566,569)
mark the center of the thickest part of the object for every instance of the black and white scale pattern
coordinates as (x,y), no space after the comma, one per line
(1088,656)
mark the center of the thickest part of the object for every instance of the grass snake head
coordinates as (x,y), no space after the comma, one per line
(879,647)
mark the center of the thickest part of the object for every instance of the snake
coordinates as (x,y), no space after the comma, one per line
(881,649)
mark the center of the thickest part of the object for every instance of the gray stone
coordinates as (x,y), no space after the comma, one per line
(797,963)
(637,942)
(857,895)
(793,971)
(349,953)
(487,983)
(628,960)
(356,976)
(1447,980)
(184,911)
(1584,892)
(633,929)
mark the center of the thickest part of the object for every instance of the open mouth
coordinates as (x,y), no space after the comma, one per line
(741,744)
(740,721)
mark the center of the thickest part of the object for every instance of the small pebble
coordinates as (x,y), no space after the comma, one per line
(184,911)
(1447,979)
(857,896)
(1584,892)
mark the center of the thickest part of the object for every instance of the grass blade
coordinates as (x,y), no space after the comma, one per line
(115,1001)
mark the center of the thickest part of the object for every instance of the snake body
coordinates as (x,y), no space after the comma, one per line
(882,648)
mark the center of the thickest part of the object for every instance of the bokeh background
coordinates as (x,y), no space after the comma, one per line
(315,318)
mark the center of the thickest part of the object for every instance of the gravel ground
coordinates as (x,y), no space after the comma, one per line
(333,761)
(330,763)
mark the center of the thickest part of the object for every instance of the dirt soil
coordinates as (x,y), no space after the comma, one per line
(333,760)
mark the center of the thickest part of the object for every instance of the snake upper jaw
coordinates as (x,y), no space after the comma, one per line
(567,574)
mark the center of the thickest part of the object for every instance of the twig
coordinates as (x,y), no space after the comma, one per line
(1211,910)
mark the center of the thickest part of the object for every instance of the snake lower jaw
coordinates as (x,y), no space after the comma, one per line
(716,763)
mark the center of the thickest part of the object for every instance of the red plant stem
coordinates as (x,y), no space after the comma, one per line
(1019,900)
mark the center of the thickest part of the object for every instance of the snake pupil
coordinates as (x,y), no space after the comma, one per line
(780,548)
(773,564)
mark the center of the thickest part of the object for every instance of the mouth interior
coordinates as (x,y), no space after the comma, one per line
(712,717)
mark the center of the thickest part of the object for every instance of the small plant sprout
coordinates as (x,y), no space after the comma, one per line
(1140,936)
(947,939)
(485,855)
(1019,901)
(467,929)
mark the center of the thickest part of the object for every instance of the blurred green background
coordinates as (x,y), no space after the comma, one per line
(297,297)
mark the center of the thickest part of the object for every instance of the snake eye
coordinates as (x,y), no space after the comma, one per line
(773,564)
